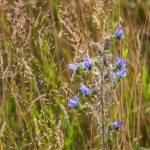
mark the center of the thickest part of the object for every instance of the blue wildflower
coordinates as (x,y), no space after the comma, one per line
(121,73)
(119,32)
(74,102)
(117,125)
(73,67)
(84,89)
(120,63)
(86,64)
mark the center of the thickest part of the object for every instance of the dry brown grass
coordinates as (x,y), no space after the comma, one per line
(37,41)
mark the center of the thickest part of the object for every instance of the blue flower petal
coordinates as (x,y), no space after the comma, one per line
(73,67)
(119,32)
(121,73)
(117,124)
(74,102)
(84,89)
(87,63)
(120,63)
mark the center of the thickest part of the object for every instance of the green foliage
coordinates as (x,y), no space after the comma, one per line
(35,85)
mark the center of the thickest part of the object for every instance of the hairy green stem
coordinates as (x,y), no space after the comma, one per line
(102,105)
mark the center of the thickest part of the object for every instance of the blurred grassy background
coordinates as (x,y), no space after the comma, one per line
(38,38)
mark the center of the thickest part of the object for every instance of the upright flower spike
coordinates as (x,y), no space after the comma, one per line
(87,63)
(73,67)
(117,125)
(121,73)
(84,89)
(119,32)
(74,102)
(120,63)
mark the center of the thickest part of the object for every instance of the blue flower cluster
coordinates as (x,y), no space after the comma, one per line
(119,32)
(84,89)
(120,63)
(74,102)
(73,67)
(117,125)
(86,64)
(120,71)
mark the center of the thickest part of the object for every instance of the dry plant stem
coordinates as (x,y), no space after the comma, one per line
(102,107)
(91,134)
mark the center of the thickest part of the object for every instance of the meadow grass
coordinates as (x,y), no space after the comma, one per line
(37,41)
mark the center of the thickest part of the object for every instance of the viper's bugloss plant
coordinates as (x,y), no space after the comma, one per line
(107,75)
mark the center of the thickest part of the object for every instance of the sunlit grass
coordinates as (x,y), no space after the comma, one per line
(37,43)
